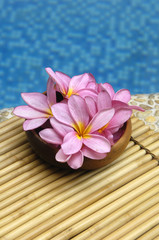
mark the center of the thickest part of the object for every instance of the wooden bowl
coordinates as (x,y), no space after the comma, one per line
(47,152)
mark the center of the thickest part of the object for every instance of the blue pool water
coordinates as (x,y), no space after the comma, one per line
(117,41)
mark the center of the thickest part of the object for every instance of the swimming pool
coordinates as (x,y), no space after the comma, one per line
(117,41)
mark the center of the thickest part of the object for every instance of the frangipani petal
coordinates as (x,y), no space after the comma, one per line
(109,89)
(99,120)
(120,117)
(87,92)
(29,112)
(91,78)
(97,143)
(117,135)
(91,106)
(65,78)
(51,92)
(108,135)
(115,129)
(71,143)
(62,114)
(79,82)
(78,109)
(137,108)
(87,152)
(33,123)
(61,157)
(122,95)
(104,101)
(76,160)
(118,105)
(51,136)
(37,101)
(60,128)
(57,79)
(92,83)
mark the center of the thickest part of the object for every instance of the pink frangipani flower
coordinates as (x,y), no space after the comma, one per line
(38,110)
(122,110)
(84,139)
(123,95)
(83,85)
(56,136)
(122,113)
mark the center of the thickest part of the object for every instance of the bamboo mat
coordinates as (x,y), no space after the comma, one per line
(119,201)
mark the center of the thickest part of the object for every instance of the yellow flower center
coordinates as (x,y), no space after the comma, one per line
(71,92)
(102,129)
(82,132)
(49,113)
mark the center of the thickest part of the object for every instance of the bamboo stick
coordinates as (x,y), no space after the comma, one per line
(38,197)
(153,145)
(144,135)
(19,190)
(128,152)
(13,143)
(148,211)
(119,218)
(151,234)
(34,170)
(98,177)
(137,124)
(118,163)
(50,187)
(93,213)
(156,238)
(54,193)
(150,139)
(140,131)
(14,152)
(12,191)
(48,203)
(11,126)
(11,133)
(19,156)
(11,177)
(17,165)
(127,159)
(14,174)
(12,139)
(8,121)
(142,228)
(50,196)
(156,152)
(63,205)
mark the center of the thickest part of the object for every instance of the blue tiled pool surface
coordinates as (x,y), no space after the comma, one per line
(117,41)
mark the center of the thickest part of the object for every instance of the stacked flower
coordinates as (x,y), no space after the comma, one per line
(86,122)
